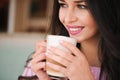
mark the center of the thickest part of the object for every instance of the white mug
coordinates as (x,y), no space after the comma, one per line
(54,40)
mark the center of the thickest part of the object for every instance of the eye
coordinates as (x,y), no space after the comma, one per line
(62,5)
(82,6)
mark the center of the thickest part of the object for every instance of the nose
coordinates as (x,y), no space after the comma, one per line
(70,16)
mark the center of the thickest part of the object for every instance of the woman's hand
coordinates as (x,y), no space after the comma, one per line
(76,64)
(38,61)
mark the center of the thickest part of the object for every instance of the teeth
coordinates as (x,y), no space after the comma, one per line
(74,29)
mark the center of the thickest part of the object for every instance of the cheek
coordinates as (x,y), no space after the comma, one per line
(92,26)
(61,16)
(89,21)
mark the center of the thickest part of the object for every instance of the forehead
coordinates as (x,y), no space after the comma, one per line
(71,0)
(76,1)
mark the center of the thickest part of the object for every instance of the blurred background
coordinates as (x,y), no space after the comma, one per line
(22,23)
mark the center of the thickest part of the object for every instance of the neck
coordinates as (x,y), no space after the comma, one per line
(90,49)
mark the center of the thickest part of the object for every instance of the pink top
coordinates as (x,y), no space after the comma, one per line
(95,70)
(27,71)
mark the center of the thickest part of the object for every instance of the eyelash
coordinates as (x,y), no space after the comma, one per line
(80,6)
(62,5)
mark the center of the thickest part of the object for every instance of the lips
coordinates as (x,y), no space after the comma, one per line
(74,30)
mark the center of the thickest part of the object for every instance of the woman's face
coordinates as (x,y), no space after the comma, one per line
(75,16)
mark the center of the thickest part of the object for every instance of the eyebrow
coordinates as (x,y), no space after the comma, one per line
(77,1)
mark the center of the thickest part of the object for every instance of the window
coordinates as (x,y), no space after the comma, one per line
(38,8)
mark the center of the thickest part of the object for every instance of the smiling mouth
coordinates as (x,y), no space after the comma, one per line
(75,29)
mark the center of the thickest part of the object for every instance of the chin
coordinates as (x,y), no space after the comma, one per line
(75,37)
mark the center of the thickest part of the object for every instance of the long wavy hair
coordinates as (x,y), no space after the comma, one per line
(107,16)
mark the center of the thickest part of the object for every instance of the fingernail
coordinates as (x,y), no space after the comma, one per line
(46,53)
(62,41)
(48,63)
(49,47)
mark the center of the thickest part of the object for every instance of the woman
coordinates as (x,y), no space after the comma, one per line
(95,26)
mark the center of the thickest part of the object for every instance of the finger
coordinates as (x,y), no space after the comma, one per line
(58,59)
(37,52)
(66,55)
(40,43)
(39,70)
(56,67)
(38,67)
(75,51)
(39,58)
(40,48)
(43,76)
